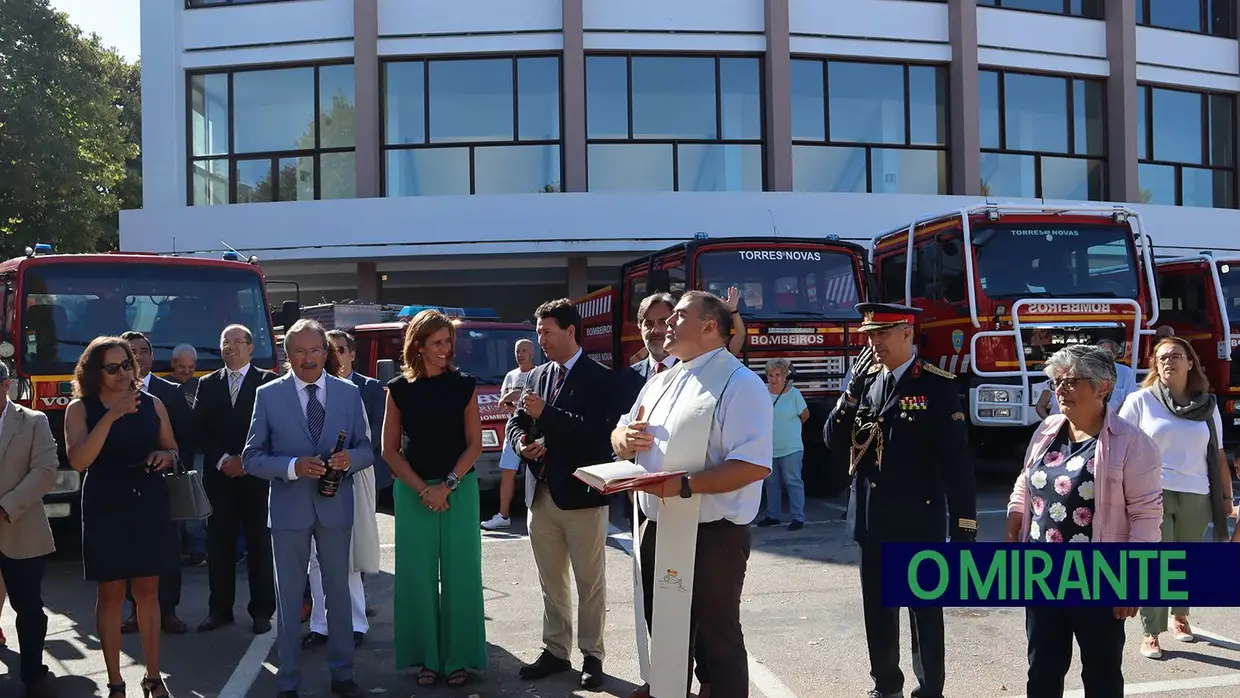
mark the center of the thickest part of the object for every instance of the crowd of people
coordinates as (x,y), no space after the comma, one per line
(265,444)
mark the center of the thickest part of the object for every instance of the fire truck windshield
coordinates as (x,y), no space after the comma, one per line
(486,353)
(1229,279)
(1055,260)
(783,283)
(66,305)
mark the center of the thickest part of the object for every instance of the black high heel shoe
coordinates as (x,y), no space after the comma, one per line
(154,688)
(116,690)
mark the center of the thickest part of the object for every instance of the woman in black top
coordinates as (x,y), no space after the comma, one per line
(120,437)
(438,614)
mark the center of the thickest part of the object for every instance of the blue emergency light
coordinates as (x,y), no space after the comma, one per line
(700,236)
(832,236)
(42,248)
(411,310)
(232,256)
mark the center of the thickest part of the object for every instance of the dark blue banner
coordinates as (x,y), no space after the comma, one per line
(1088,574)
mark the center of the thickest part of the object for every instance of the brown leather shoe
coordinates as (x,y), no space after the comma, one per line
(213,622)
(173,625)
(641,692)
(130,625)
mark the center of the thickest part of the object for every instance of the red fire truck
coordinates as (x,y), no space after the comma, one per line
(1199,297)
(797,301)
(1002,287)
(484,349)
(54,305)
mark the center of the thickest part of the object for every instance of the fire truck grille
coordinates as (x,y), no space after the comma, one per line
(814,376)
(1042,341)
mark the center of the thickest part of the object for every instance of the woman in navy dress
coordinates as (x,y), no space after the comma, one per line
(121,439)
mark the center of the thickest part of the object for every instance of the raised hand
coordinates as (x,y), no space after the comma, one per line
(856,387)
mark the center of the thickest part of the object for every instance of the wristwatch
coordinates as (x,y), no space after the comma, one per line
(685,490)
(451,481)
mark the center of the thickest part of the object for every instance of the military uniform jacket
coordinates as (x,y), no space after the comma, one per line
(909,454)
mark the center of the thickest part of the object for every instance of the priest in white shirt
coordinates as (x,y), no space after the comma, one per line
(721,415)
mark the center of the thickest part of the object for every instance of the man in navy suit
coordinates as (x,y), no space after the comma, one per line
(180,416)
(296,422)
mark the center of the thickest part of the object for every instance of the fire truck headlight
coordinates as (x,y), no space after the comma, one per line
(490,439)
(994,396)
(67,481)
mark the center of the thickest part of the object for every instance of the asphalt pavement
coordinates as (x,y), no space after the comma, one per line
(801,612)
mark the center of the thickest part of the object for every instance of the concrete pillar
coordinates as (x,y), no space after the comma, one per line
(369,149)
(369,283)
(778,95)
(965,150)
(1121,110)
(578,277)
(573,94)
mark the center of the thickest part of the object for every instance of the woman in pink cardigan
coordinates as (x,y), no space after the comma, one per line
(1088,476)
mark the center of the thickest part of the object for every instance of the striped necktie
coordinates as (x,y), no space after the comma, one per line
(234,386)
(560,374)
(316,415)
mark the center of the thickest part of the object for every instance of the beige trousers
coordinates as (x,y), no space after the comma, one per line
(559,538)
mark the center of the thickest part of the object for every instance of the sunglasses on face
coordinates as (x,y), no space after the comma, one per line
(113,369)
(1065,383)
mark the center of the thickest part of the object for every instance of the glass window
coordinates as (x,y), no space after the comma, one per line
(869,127)
(472,126)
(1215,17)
(674,123)
(271,134)
(1042,136)
(1090,9)
(1185,147)
(805,282)
(219,3)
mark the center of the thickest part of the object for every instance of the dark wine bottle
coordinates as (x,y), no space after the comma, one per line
(330,482)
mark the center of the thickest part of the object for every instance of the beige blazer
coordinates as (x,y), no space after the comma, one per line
(28,465)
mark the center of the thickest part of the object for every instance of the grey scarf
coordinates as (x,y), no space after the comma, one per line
(1202,409)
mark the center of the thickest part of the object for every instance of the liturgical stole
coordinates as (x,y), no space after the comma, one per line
(687,424)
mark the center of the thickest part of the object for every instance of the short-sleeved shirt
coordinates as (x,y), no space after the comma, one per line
(742,431)
(514,380)
(1062,484)
(432,414)
(788,409)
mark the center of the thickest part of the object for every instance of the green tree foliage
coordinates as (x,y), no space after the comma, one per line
(66,141)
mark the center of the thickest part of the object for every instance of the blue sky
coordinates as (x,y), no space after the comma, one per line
(115,21)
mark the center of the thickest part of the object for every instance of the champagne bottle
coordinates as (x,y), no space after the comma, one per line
(330,482)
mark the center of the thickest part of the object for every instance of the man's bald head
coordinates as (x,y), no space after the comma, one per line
(524,351)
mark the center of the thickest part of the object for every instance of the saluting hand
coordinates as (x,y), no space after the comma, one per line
(860,367)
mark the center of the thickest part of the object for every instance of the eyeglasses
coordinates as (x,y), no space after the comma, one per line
(113,369)
(1171,358)
(1065,383)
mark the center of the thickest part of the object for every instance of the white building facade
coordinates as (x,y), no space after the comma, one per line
(428,152)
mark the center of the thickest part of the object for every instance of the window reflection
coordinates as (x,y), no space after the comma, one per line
(1187,157)
(1090,9)
(668,123)
(1214,17)
(259,136)
(869,127)
(499,119)
(1042,136)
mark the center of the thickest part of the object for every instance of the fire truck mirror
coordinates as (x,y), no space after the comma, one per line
(385,370)
(290,312)
(658,281)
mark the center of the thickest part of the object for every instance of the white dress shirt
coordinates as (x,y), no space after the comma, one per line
(303,396)
(668,362)
(743,430)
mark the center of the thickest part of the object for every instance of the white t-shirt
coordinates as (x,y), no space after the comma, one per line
(1182,442)
(514,380)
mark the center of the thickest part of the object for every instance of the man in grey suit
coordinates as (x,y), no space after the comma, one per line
(296,422)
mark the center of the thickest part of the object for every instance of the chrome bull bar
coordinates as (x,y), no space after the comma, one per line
(1008,405)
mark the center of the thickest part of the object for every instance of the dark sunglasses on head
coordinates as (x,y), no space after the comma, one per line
(113,369)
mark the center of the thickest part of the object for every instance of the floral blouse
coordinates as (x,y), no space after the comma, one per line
(1063,491)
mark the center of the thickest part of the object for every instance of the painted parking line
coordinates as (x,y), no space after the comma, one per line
(246,673)
(767,682)
(1198,683)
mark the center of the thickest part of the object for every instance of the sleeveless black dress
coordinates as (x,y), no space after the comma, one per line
(126,529)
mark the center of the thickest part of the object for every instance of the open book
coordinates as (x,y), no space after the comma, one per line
(621,476)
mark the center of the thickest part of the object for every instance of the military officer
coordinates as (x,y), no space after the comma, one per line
(902,428)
